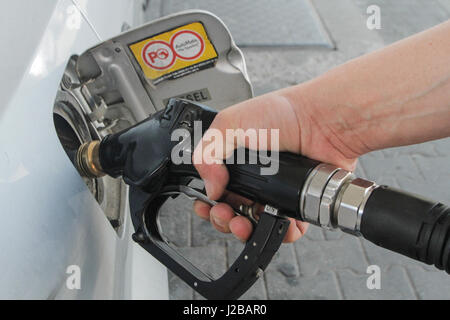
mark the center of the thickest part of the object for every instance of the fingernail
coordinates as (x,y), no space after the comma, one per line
(219,222)
(240,239)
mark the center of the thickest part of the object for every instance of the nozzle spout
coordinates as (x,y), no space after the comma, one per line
(87,160)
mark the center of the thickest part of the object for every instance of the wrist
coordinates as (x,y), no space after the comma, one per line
(332,115)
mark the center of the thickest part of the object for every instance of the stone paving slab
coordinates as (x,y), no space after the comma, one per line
(394,285)
(323,285)
(429,285)
(320,256)
(401,18)
(261,23)
(175,218)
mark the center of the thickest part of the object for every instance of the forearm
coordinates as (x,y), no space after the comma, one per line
(396,96)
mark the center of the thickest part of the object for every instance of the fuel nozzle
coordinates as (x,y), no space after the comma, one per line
(87,160)
(303,189)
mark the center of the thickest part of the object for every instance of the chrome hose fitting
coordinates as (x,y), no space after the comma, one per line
(88,161)
(334,198)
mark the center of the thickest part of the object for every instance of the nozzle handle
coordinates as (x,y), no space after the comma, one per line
(281,190)
(242,274)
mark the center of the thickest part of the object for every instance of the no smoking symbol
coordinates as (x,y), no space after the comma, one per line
(158,55)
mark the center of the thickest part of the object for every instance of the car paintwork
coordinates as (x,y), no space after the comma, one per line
(49,219)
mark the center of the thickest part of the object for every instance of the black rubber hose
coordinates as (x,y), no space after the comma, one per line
(408,224)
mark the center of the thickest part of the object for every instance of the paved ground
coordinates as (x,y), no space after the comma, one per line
(332,265)
(303,29)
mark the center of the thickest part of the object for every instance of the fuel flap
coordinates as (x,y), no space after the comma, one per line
(188,55)
(122,81)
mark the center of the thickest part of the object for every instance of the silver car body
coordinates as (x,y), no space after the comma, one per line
(51,224)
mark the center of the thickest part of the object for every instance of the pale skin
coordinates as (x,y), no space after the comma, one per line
(396,96)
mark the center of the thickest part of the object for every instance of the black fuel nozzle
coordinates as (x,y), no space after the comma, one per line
(304,189)
(142,156)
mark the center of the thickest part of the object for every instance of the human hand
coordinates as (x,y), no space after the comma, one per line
(299,132)
(391,97)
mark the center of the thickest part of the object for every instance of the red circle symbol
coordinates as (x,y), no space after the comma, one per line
(187,44)
(158,55)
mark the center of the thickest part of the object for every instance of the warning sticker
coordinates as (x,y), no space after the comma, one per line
(175,53)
